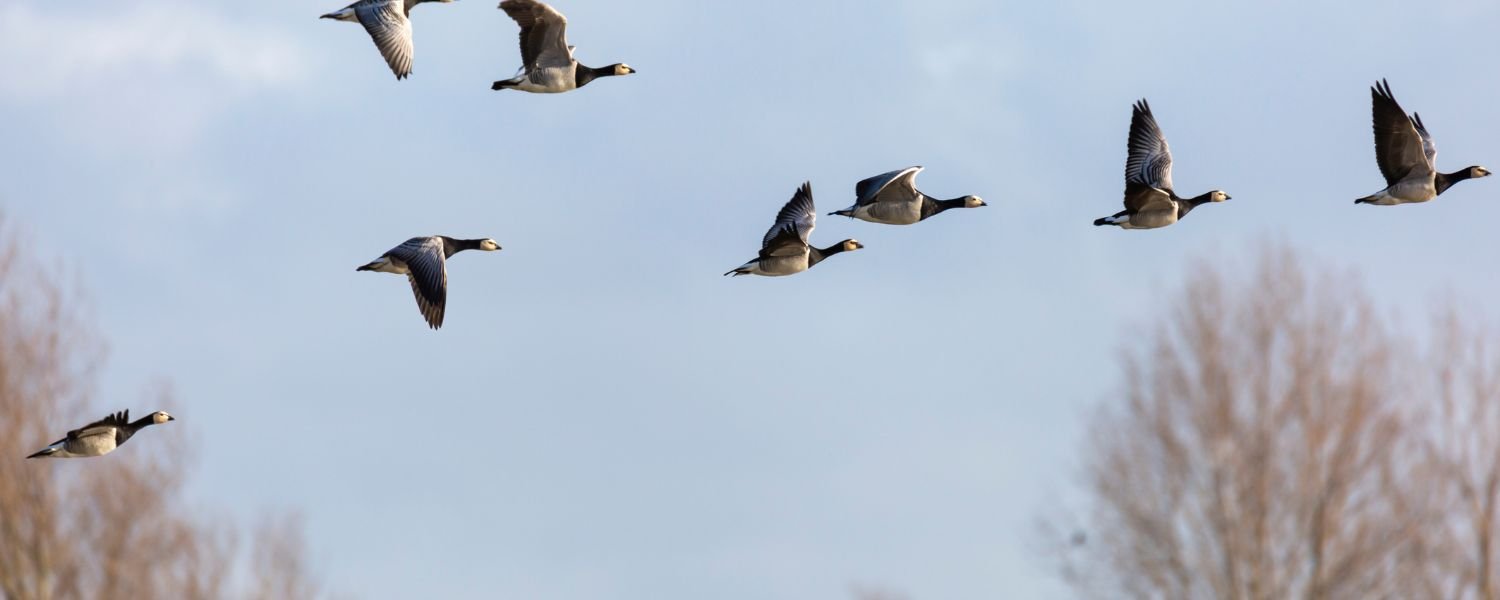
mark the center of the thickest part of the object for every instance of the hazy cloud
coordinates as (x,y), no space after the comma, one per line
(151,74)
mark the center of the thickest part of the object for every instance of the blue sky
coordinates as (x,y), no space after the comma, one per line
(603,415)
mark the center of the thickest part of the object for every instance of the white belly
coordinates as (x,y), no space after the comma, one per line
(890,214)
(553,80)
(1406,192)
(1150,219)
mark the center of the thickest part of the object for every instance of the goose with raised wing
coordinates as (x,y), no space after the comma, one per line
(389,24)
(1407,155)
(1150,201)
(547,63)
(784,250)
(893,198)
(424,262)
(101,437)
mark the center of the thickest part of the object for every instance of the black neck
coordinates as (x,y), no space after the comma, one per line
(1204,198)
(1443,181)
(932,206)
(583,75)
(1186,204)
(141,422)
(452,246)
(818,254)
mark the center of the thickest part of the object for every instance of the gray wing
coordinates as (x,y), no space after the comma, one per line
(901,184)
(1429,147)
(794,223)
(428,273)
(544,39)
(1140,197)
(1399,148)
(389,27)
(1150,159)
(107,425)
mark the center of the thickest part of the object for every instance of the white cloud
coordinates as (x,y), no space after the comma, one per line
(140,80)
(55,54)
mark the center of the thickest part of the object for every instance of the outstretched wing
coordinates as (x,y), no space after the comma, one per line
(1399,149)
(544,40)
(1150,160)
(428,273)
(794,223)
(1140,197)
(107,425)
(389,27)
(901,184)
(1429,147)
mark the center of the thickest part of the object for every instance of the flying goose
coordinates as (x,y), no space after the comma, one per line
(1150,201)
(423,260)
(101,437)
(547,60)
(784,249)
(893,199)
(389,25)
(1407,155)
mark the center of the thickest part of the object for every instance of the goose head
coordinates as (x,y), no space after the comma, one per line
(161,416)
(851,245)
(488,245)
(973,202)
(1477,171)
(1218,196)
(621,69)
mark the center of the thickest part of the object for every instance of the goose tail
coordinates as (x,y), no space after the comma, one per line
(1119,218)
(43,452)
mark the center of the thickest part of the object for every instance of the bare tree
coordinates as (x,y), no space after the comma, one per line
(278,562)
(866,592)
(1260,449)
(113,527)
(1464,448)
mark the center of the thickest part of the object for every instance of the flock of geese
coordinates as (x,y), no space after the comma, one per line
(1404,150)
(547,63)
